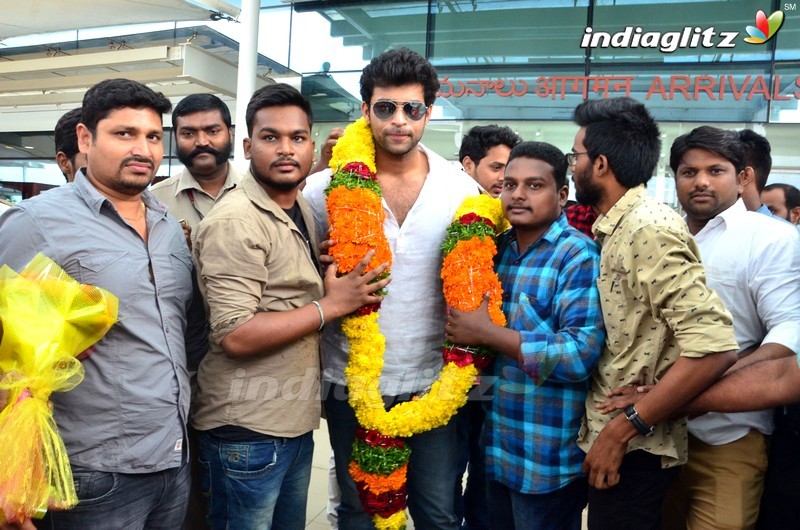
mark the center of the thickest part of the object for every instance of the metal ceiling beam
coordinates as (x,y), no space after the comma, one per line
(196,70)
(90,60)
(208,70)
(71,82)
(76,97)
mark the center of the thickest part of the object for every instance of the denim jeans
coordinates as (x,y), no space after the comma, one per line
(258,485)
(124,501)
(432,469)
(471,505)
(557,510)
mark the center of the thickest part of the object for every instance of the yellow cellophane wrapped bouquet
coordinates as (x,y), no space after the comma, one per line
(46,319)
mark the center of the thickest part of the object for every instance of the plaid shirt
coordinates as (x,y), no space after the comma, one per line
(550,297)
(581,217)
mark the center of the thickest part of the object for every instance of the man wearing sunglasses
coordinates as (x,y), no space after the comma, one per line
(421,192)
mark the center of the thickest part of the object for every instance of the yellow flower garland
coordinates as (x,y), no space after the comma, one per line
(367,345)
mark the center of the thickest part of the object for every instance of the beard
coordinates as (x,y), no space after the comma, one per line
(130,185)
(587,192)
(275,184)
(395,149)
(220,156)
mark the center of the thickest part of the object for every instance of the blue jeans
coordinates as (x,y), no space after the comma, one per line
(124,501)
(557,510)
(258,485)
(432,469)
(471,505)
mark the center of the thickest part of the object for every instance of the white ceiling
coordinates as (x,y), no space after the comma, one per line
(39,83)
(47,16)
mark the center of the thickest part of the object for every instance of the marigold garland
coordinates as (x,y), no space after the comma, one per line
(356,219)
(379,483)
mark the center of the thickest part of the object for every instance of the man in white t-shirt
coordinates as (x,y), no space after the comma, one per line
(421,192)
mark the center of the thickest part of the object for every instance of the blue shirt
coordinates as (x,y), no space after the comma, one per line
(550,297)
(129,413)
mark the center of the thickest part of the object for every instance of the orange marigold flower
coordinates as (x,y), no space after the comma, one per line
(378,484)
(468,274)
(356,219)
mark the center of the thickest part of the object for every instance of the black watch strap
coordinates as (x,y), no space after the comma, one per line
(633,416)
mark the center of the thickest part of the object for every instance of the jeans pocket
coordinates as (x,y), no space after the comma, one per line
(248,460)
(94,486)
(204,480)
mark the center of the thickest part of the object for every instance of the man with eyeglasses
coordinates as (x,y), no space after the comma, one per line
(664,326)
(421,192)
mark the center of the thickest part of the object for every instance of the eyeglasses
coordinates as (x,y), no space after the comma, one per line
(572,158)
(385,109)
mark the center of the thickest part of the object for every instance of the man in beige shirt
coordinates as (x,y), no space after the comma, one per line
(664,326)
(258,399)
(201,124)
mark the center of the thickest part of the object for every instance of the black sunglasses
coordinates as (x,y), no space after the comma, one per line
(414,110)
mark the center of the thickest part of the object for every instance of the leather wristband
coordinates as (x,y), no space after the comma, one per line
(641,427)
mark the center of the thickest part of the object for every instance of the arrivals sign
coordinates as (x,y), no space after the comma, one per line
(666,88)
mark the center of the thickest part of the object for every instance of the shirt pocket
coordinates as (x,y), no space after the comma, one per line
(106,269)
(530,312)
(178,280)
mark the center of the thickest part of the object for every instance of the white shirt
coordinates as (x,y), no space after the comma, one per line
(753,262)
(412,315)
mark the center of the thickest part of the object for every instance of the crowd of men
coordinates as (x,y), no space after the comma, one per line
(624,317)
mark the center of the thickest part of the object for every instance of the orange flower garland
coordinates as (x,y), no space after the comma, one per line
(467,274)
(356,221)
(380,483)
(355,211)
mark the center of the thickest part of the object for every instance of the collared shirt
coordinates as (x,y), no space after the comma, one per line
(656,308)
(764,210)
(412,315)
(186,199)
(251,257)
(551,298)
(753,263)
(129,413)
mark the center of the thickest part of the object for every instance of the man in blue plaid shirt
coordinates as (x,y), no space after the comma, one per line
(546,354)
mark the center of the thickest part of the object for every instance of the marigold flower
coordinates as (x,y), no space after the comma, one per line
(378,484)
(356,216)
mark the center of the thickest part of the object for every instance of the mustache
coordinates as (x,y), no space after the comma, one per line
(285,160)
(710,193)
(139,159)
(201,150)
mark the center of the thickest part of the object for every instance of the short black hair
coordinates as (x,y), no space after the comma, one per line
(791,194)
(546,153)
(66,137)
(625,132)
(200,103)
(481,138)
(757,155)
(112,94)
(719,141)
(277,95)
(399,67)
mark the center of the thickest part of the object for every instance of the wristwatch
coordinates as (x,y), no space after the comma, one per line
(633,416)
